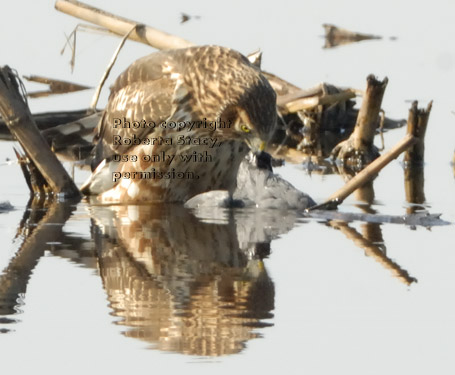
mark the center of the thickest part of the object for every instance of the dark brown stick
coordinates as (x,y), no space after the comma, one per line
(18,118)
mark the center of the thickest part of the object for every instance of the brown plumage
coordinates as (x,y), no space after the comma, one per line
(193,87)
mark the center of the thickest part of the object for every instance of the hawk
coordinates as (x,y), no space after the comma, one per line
(179,123)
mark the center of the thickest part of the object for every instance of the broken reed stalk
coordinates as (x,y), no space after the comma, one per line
(414,157)
(366,174)
(17,116)
(417,126)
(367,119)
(120,26)
(359,150)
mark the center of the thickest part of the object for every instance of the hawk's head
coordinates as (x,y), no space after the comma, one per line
(223,84)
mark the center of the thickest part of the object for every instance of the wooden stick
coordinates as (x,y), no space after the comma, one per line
(417,126)
(414,179)
(46,120)
(15,112)
(367,119)
(120,26)
(299,94)
(313,101)
(359,150)
(366,174)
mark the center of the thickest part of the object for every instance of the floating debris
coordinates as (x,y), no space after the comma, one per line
(336,36)
(6,207)
(186,17)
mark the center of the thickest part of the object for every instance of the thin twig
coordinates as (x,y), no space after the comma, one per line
(109,68)
(73,34)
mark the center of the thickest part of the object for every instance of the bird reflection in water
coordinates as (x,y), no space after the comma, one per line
(183,284)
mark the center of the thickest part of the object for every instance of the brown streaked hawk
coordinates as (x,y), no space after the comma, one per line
(167,105)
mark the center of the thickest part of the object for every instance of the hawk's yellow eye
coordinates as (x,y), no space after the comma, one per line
(245,128)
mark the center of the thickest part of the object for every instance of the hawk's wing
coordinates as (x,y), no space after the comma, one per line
(148,90)
(151,89)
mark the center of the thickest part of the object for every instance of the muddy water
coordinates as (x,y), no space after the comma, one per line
(140,288)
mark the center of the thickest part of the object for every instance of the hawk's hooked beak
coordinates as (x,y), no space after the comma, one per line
(262,159)
(262,146)
(256,145)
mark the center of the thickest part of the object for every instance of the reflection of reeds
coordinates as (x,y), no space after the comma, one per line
(414,181)
(414,157)
(183,285)
(372,249)
(371,239)
(37,228)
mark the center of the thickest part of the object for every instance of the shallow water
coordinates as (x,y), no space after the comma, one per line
(144,289)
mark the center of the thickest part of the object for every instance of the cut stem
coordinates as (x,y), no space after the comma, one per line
(367,119)
(417,126)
